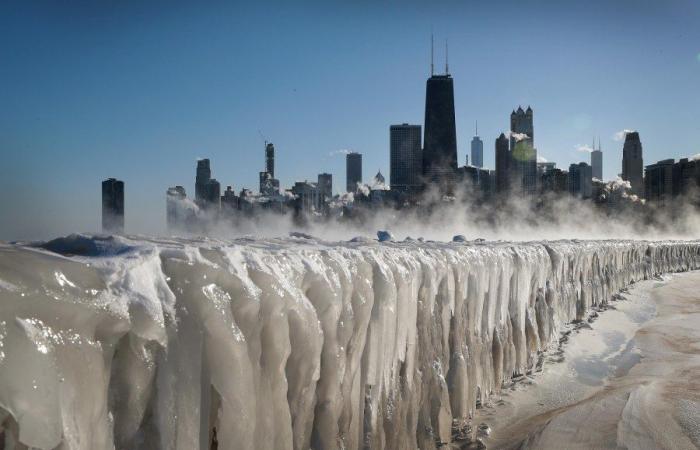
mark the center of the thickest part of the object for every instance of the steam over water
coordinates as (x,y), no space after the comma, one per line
(286,343)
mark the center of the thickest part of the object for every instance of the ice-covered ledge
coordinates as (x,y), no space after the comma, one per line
(289,343)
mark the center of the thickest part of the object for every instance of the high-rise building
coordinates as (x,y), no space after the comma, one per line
(686,177)
(325,187)
(597,162)
(112,206)
(212,194)
(229,201)
(503,164)
(270,159)
(203,177)
(353,171)
(521,123)
(265,182)
(306,194)
(207,189)
(555,181)
(633,163)
(523,152)
(658,182)
(581,180)
(477,150)
(406,157)
(174,198)
(440,138)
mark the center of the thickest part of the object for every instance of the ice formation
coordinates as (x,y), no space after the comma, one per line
(289,343)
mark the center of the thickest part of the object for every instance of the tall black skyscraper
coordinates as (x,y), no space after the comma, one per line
(440,135)
(440,138)
(203,177)
(633,163)
(353,171)
(503,163)
(523,152)
(406,158)
(207,189)
(325,188)
(270,159)
(112,206)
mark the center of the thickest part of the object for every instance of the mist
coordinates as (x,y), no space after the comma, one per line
(507,217)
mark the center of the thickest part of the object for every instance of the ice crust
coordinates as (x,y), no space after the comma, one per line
(289,343)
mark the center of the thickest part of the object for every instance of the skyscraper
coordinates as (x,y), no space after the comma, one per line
(325,187)
(440,138)
(174,211)
(270,159)
(658,182)
(269,185)
(207,190)
(406,157)
(580,180)
(203,177)
(112,206)
(523,152)
(633,163)
(503,163)
(353,171)
(477,150)
(597,162)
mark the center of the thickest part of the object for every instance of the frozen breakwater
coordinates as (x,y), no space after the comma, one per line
(290,343)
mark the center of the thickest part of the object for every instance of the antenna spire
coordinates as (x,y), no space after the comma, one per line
(447,55)
(432,70)
(476,127)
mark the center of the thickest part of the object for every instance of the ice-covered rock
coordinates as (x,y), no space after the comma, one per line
(288,343)
(384,236)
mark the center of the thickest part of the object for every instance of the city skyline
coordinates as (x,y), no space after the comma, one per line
(152,152)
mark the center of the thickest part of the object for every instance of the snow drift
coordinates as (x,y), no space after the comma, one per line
(289,343)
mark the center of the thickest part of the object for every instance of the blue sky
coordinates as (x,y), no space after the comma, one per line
(140,90)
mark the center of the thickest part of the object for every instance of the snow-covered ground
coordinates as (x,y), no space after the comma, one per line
(286,343)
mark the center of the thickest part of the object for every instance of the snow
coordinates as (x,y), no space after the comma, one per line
(286,343)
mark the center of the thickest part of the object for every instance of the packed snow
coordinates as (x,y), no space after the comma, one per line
(112,342)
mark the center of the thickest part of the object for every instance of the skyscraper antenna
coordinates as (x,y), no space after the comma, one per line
(476,127)
(432,70)
(447,55)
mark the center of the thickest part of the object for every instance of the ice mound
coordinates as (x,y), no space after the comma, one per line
(384,236)
(84,245)
(287,343)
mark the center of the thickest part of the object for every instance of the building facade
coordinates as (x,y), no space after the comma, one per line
(270,159)
(477,152)
(523,152)
(440,137)
(597,164)
(406,157)
(503,165)
(581,180)
(201,180)
(353,171)
(112,206)
(658,182)
(633,163)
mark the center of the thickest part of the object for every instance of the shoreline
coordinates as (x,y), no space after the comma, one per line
(610,388)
